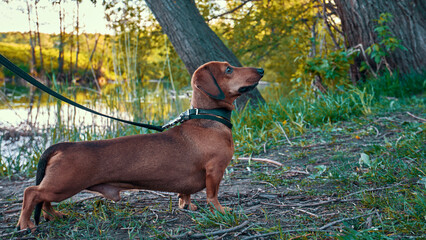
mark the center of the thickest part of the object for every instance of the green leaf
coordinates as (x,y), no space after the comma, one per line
(364,160)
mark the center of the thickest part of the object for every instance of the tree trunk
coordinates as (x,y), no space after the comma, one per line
(61,44)
(42,76)
(194,41)
(30,32)
(77,44)
(358,23)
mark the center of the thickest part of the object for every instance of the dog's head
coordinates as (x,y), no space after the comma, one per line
(218,84)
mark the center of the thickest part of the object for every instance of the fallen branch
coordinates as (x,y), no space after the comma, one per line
(261,160)
(209,234)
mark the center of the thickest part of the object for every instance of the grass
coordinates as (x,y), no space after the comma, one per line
(359,147)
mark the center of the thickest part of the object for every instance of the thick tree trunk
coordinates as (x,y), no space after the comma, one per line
(193,39)
(408,25)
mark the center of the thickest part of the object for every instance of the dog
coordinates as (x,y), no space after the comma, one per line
(184,159)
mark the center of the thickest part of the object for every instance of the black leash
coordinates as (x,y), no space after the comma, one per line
(220,115)
(15,69)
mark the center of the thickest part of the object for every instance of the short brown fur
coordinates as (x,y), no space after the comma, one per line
(184,159)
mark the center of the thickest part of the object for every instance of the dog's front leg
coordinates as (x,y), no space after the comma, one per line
(213,178)
(185,202)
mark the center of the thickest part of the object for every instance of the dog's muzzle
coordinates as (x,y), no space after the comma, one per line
(247,88)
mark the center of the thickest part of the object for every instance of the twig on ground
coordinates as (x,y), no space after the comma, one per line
(13,233)
(261,160)
(303,205)
(285,231)
(377,131)
(297,171)
(345,219)
(373,189)
(86,198)
(304,211)
(162,194)
(419,118)
(209,234)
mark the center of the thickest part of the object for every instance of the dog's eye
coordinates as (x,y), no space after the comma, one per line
(229,70)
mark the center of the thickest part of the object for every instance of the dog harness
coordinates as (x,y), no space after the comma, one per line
(218,114)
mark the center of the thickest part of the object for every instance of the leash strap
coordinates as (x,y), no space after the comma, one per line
(15,69)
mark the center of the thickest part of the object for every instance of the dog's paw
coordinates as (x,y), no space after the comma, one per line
(30,227)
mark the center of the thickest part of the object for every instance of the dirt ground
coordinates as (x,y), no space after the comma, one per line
(295,203)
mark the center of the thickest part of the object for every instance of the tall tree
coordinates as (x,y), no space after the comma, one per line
(61,40)
(193,39)
(30,32)
(42,76)
(359,19)
(77,28)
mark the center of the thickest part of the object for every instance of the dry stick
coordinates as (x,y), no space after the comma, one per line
(419,118)
(345,219)
(302,205)
(286,231)
(304,211)
(13,233)
(261,160)
(359,46)
(377,131)
(203,235)
(373,189)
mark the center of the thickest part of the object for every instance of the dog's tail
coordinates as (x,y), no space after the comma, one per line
(41,171)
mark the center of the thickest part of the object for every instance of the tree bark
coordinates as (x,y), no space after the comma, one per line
(358,23)
(194,41)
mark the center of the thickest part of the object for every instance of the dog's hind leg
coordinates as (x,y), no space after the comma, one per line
(35,195)
(185,202)
(31,198)
(49,213)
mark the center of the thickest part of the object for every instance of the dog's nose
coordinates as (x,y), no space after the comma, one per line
(260,71)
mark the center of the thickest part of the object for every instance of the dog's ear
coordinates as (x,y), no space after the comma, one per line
(205,81)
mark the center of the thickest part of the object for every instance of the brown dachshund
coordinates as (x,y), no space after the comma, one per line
(184,159)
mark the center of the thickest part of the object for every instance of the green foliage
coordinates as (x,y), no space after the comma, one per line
(332,68)
(270,34)
(387,44)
